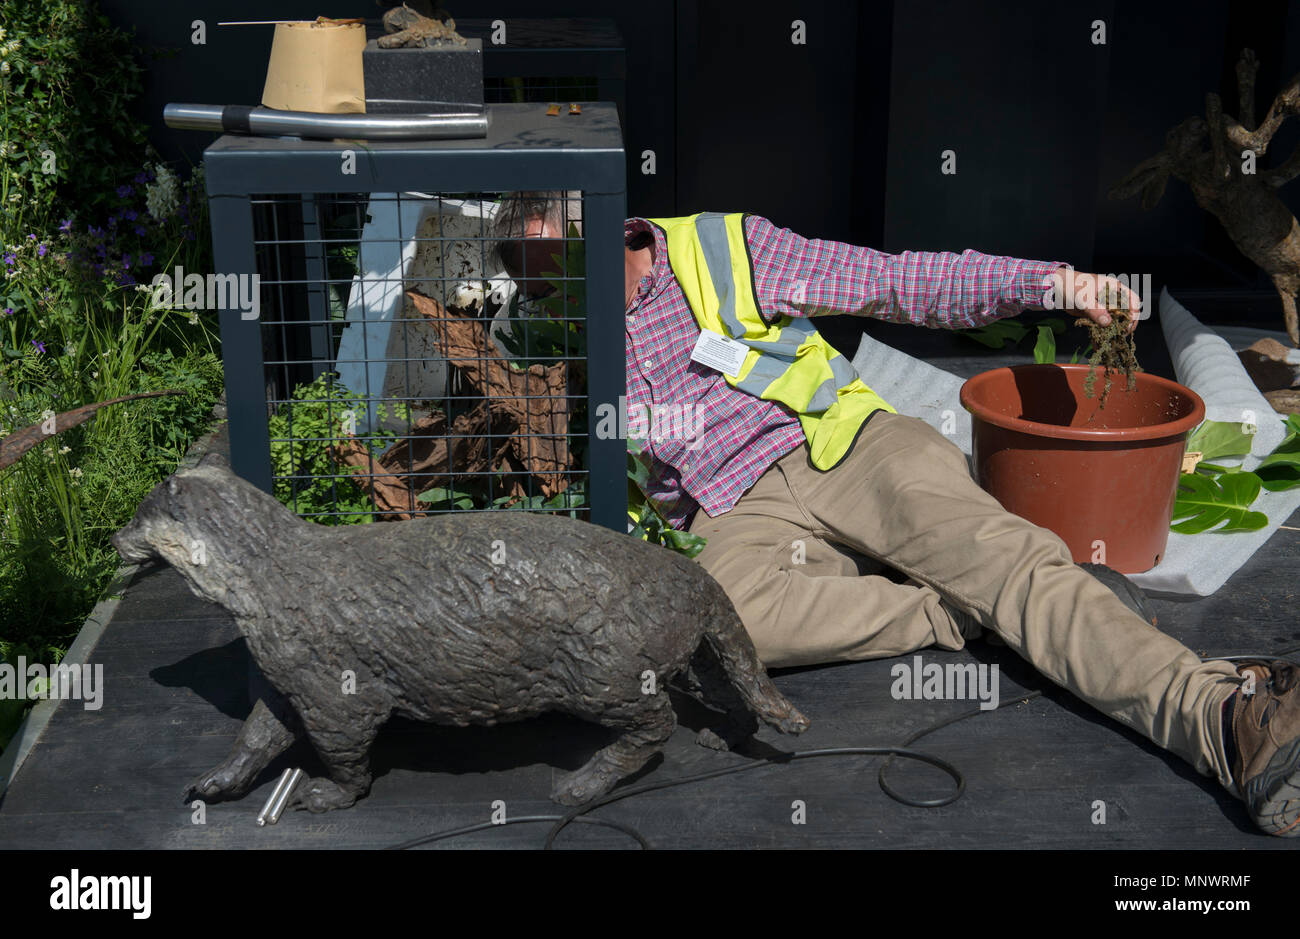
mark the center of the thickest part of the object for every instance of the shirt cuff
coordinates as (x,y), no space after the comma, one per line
(1037,282)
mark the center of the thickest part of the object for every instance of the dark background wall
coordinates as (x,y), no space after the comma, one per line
(842,137)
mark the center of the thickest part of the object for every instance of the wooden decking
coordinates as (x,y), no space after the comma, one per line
(176,692)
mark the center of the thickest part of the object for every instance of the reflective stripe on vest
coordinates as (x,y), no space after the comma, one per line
(788,360)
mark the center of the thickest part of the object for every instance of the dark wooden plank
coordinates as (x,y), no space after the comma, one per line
(176,693)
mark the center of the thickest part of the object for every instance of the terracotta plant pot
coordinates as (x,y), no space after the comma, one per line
(1104,480)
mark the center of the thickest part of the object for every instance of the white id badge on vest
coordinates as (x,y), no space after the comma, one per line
(721,352)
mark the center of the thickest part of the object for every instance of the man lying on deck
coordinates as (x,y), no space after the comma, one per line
(830,465)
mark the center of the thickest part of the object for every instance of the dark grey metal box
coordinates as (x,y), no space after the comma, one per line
(437,80)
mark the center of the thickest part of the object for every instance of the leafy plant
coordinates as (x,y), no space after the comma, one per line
(998,334)
(1215,439)
(307,479)
(1045,347)
(1214,494)
(1281,468)
(645,521)
(560,334)
(1204,502)
(68,84)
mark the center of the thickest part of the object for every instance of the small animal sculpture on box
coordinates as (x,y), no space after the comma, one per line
(473,618)
(408,29)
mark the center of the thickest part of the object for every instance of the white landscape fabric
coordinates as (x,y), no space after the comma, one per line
(1193,565)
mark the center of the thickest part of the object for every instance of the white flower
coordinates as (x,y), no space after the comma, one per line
(162,196)
(69,348)
(194,319)
(11,46)
(65,449)
(2,33)
(75,472)
(94,375)
(4,66)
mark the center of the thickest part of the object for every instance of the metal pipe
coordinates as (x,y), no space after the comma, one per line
(288,781)
(240,119)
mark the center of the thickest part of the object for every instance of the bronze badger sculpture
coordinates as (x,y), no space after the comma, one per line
(474,618)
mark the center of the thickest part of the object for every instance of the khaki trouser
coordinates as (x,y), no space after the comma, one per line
(797,554)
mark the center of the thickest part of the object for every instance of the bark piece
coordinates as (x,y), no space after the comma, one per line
(1207,154)
(1265,363)
(20,441)
(535,400)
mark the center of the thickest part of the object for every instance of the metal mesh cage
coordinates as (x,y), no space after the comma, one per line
(419,352)
(541,88)
(469,396)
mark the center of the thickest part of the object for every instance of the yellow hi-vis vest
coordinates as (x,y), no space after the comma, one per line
(788,360)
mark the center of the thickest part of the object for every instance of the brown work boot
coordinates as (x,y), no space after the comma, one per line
(1265,727)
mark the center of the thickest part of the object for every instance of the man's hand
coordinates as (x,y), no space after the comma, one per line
(1092,294)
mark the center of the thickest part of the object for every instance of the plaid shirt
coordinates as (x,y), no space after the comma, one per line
(731,437)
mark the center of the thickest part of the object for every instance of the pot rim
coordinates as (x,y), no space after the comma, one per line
(1181,426)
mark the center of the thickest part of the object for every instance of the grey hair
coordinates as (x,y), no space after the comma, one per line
(559,208)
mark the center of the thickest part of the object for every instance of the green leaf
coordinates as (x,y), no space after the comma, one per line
(1286,453)
(1216,439)
(1202,503)
(1045,348)
(638,470)
(447,498)
(684,542)
(998,334)
(1278,477)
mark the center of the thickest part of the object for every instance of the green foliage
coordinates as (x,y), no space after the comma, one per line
(307,479)
(63,500)
(1045,347)
(68,90)
(1215,494)
(1215,439)
(1001,333)
(1203,502)
(1281,468)
(646,522)
(559,335)
(85,219)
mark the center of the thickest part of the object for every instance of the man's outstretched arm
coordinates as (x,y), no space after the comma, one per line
(798,276)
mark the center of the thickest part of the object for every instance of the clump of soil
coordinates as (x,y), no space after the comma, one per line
(1113,349)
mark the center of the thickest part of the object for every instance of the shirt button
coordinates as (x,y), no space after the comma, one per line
(648,363)
(631,320)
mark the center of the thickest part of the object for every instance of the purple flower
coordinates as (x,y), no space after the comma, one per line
(124,191)
(40,346)
(112,221)
(130,215)
(126,262)
(95,230)
(9,311)
(9,260)
(40,250)
(31,237)
(146,259)
(139,230)
(65,225)
(141,178)
(125,280)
